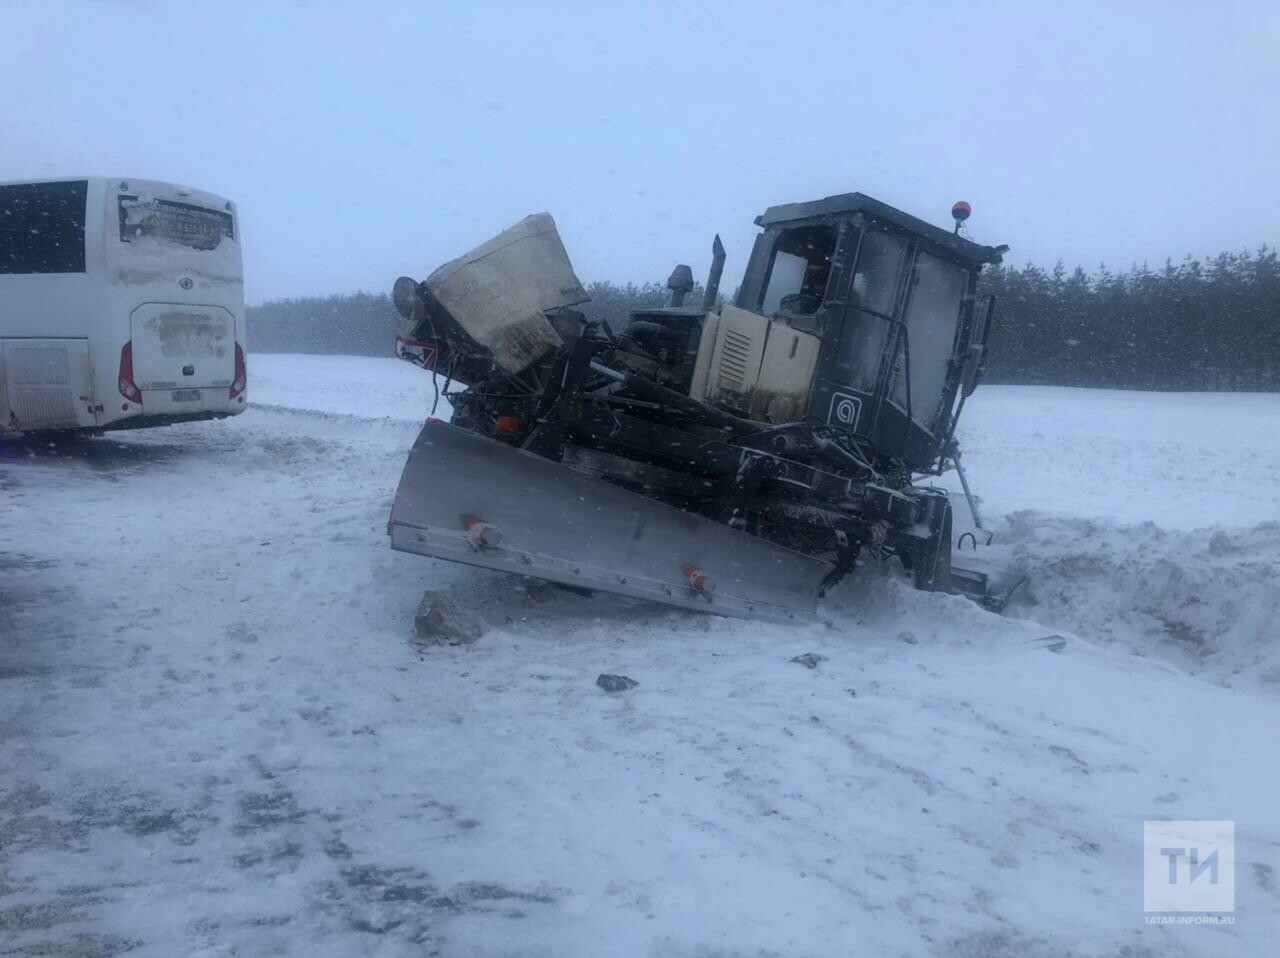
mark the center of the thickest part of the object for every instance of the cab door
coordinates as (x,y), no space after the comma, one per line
(862,330)
(888,359)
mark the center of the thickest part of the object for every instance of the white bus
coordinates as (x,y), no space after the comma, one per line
(121,304)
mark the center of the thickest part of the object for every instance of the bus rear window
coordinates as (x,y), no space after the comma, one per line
(167,220)
(42,227)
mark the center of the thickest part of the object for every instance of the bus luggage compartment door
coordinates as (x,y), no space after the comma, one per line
(46,383)
(183,356)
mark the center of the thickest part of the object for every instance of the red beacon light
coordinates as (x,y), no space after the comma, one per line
(960,212)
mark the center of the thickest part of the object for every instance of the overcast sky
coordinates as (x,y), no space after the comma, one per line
(362,141)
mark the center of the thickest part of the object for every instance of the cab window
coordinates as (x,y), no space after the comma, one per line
(871,301)
(875,281)
(933,314)
(799,271)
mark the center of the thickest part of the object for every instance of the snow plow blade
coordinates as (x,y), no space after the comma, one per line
(470,499)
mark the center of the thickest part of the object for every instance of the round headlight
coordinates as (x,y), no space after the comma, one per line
(408,303)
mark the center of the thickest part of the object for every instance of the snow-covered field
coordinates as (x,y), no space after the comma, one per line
(218,738)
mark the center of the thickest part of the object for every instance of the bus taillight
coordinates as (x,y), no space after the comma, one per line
(128,388)
(241,378)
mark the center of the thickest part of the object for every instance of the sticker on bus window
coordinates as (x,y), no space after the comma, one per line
(183,223)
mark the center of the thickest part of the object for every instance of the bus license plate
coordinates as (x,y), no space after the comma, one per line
(186,395)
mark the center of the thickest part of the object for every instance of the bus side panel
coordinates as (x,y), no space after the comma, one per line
(108,323)
(49,325)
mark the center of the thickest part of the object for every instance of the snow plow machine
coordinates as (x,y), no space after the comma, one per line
(733,458)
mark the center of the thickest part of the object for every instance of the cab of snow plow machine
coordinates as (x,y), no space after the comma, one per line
(850,313)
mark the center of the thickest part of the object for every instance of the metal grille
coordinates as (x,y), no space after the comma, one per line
(40,386)
(38,366)
(734,356)
(43,404)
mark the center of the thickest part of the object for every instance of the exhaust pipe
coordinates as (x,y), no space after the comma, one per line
(713,278)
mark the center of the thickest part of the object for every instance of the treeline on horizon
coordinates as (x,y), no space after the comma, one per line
(1195,325)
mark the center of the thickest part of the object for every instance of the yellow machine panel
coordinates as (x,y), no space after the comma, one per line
(761,367)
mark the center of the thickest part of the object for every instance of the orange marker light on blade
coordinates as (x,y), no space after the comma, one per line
(480,534)
(699,580)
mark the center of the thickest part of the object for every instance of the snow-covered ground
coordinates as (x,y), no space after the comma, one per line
(218,738)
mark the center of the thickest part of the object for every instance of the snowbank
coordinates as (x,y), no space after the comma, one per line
(1207,600)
